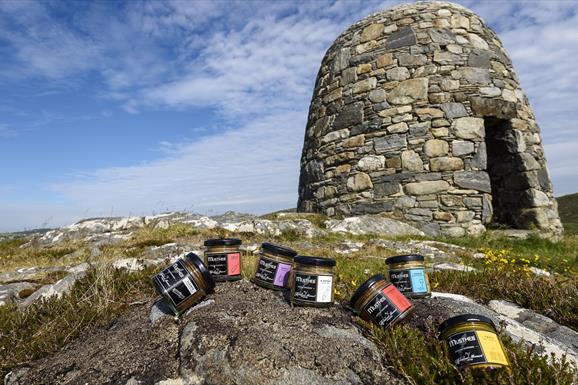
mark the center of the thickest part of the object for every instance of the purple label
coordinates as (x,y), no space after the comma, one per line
(281,274)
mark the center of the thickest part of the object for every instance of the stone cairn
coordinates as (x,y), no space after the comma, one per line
(418,113)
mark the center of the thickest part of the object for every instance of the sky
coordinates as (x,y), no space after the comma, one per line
(114,108)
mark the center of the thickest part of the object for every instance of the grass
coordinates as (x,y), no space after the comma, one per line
(415,354)
(46,326)
(568,209)
(12,256)
(423,360)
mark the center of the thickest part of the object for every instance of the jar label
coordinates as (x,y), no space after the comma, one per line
(418,281)
(465,349)
(313,288)
(177,281)
(224,264)
(234,264)
(492,348)
(274,272)
(282,273)
(409,281)
(387,306)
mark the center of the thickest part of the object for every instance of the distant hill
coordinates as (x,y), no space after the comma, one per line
(568,208)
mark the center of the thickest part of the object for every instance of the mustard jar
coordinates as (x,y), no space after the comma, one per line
(473,342)
(408,274)
(223,258)
(184,283)
(312,281)
(274,266)
(380,302)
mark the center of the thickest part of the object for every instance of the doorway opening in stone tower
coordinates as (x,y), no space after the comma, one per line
(506,178)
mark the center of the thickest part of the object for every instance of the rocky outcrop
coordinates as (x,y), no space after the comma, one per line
(242,335)
(417,112)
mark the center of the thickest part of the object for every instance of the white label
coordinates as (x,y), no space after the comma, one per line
(324,288)
(190,285)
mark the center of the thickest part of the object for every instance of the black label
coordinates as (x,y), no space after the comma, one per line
(181,292)
(177,281)
(401,280)
(381,311)
(172,275)
(465,349)
(217,264)
(305,287)
(266,270)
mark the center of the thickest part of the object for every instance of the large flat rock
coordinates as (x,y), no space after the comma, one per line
(253,336)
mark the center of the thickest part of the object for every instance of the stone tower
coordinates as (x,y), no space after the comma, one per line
(418,113)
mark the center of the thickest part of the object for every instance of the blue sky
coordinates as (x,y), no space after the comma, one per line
(118,108)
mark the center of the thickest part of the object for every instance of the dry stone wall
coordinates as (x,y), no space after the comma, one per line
(417,112)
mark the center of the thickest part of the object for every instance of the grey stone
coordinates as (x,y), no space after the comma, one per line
(359,182)
(377,96)
(386,188)
(409,91)
(480,159)
(410,160)
(454,110)
(446,163)
(371,224)
(375,207)
(391,142)
(469,128)
(371,163)
(404,37)
(350,115)
(485,107)
(371,32)
(436,147)
(479,59)
(442,36)
(409,60)
(475,180)
(364,85)
(475,75)
(342,59)
(426,187)
(397,73)
(462,147)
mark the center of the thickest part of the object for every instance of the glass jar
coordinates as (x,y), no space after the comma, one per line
(223,258)
(380,302)
(184,283)
(312,281)
(273,266)
(473,342)
(408,274)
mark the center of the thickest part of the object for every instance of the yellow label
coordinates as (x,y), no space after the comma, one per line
(491,347)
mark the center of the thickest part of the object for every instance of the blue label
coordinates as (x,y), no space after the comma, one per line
(418,281)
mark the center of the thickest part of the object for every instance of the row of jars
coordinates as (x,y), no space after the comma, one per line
(472,339)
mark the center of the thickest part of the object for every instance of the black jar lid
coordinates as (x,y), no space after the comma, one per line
(463,318)
(404,258)
(223,242)
(314,261)
(364,287)
(198,263)
(276,249)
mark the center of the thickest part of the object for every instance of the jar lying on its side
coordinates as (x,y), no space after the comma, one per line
(473,342)
(408,274)
(223,258)
(184,283)
(312,281)
(380,302)
(273,266)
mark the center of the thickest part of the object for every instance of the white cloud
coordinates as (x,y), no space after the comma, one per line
(255,63)
(253,168)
